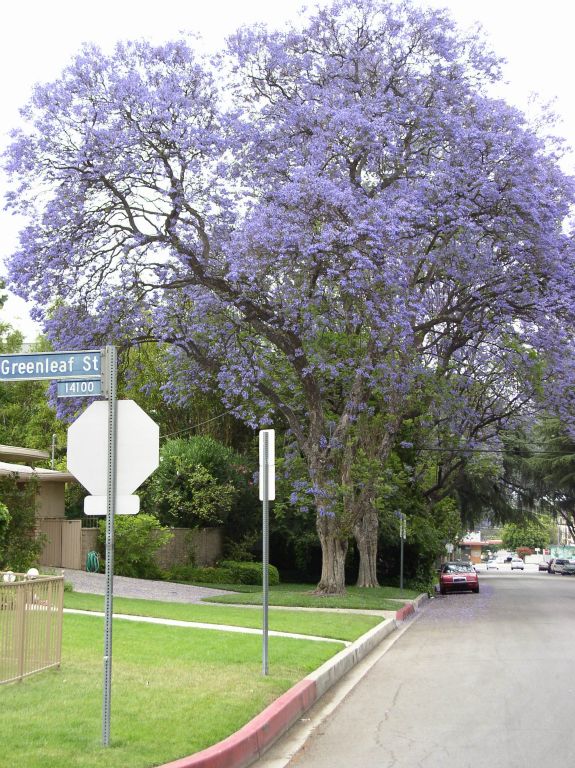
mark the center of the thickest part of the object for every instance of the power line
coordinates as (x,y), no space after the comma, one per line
(491,450)
(195,426)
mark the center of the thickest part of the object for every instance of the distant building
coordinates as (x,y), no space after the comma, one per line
(475,543)
(564,538)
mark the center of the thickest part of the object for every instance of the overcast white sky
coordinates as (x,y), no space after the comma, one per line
(39,37)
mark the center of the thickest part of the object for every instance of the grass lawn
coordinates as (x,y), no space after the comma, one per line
(301,596)
(174,691)
(333,625)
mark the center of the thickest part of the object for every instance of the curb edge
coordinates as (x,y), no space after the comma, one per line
(250,742)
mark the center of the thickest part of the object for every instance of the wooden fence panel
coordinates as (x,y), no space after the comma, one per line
(63,548)
(72,544)
(51,555)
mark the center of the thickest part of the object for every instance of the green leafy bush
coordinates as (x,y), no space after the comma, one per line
(136,540)
(227,572)
(250,573)
(20,545)
(4,521)
(243,547)
(193,484)
(200,575)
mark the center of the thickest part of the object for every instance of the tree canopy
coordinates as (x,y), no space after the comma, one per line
(534,534)
(26,417)
(546,470)
(322,224)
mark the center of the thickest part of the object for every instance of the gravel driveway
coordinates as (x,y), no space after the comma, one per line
(95,583)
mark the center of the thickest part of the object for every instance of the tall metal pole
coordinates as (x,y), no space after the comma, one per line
(265,552)
(110,379)
(401,540)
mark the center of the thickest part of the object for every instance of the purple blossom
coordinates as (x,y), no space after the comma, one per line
(332,223)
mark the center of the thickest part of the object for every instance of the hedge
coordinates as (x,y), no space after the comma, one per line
(227,572)
(250,573)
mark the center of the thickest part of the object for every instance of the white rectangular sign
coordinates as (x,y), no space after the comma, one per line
(271,463)
(79,388)
(125,505)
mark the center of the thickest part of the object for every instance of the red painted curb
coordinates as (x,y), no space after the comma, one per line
(242,747)
(404,612)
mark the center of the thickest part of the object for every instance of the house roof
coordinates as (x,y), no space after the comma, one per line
(24,472)
(14,453)
(488,543)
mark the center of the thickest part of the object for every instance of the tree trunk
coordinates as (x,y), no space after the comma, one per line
(333,550)
(365,532)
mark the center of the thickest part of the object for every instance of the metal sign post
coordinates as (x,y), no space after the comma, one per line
(267,492)
(402,534)
(265,557)
(80,374)
(109,383)
(113,446)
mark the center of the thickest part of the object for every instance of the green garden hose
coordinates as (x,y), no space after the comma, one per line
(93,562)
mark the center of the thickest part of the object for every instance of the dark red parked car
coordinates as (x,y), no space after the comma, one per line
(458,577)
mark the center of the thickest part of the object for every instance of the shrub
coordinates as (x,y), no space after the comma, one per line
(522,551)
(194,484)
(200,575)
(4,521)
(21,545)
(242,548)
(227,572)
(136,540)
(250,573)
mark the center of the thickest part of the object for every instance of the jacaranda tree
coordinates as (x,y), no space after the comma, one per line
(321,223)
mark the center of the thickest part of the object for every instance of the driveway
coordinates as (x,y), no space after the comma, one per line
(95,584)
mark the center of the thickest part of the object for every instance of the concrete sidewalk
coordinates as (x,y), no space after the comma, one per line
(205,625)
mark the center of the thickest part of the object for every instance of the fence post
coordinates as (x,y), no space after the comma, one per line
(21,629)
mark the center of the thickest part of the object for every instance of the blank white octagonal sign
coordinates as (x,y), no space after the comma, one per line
(137,448)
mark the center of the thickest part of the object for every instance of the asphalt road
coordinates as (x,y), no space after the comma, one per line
(476,681)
